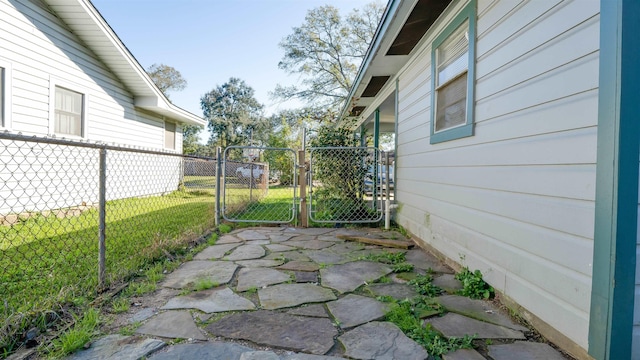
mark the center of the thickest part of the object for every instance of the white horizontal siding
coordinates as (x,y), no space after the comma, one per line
(40,47)
(516,200)
(42,52)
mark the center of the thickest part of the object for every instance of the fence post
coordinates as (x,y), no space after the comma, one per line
(387,203)
(302,176)
(218,182)
(102,218)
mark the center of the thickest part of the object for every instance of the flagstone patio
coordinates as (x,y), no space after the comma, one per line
(289,293)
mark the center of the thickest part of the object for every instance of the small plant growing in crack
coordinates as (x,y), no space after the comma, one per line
(424,286)
(473,285)
(129,329)
(204,284)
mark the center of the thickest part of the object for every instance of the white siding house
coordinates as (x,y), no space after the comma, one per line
(495,108)
(64,73)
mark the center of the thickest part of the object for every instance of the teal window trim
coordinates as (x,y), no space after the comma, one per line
(467,13)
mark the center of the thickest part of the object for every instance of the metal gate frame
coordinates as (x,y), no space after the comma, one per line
(265,178)
(303,203)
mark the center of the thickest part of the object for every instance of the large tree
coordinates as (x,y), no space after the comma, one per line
(326,51)
(167,78)
(233,113)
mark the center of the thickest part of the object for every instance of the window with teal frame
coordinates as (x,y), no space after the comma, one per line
(453,77)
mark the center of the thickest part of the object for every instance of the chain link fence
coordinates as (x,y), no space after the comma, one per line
(76,218)
(261,191)
(345,185)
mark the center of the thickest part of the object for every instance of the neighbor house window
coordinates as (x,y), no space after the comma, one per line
(69,112)
(169,135)
(452,75)
(5,94)
(2,97)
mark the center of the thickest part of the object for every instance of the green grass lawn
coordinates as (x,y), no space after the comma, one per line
(273,205)
(48,260)
(199,182)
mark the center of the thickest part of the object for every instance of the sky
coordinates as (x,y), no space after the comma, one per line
(210,41)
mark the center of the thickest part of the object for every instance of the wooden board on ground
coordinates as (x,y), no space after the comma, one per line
(401,244)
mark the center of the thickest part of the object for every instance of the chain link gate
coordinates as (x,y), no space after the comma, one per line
(341,185)
(345,184)
(261,188)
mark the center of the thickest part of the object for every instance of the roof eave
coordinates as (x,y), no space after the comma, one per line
(145,93)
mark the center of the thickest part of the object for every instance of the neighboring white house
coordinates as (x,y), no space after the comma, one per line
(510,153)
(64,73)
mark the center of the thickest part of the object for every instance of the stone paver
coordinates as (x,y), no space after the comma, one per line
(251,235)
(119,347)
(447,282)
(300,266)
(280,238)
(209,301)
(464,354)
(309,244)
(280,247)
(208,350)
(348,277)
(246,252)
(142,315)
(347,247)
(258,242)
(478,309)
(326,257)
(298,333)
(259,263)
(353,310)
(309,231)
(259,277)
(423,260)
(396,291)
(215,251)
(310,357)
(455,325)
(172,324)
(523,350)
(228,239)
(381,341)
(259,355)
(301,318)
(219,272)
(315,310)
(306,276)
(288,255)
(288,295)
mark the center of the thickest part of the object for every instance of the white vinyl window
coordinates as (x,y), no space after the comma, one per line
(169,135)
(2,97)
(452,78)
(69,112)
(452,65)
(5,94)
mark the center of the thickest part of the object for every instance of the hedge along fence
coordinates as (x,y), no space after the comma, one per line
(76,218)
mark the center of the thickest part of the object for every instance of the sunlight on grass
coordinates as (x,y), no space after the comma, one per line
(49,259)
(274,205)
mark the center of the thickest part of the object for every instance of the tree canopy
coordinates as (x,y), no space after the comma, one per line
(233,113)
(166,78)
(326,51)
